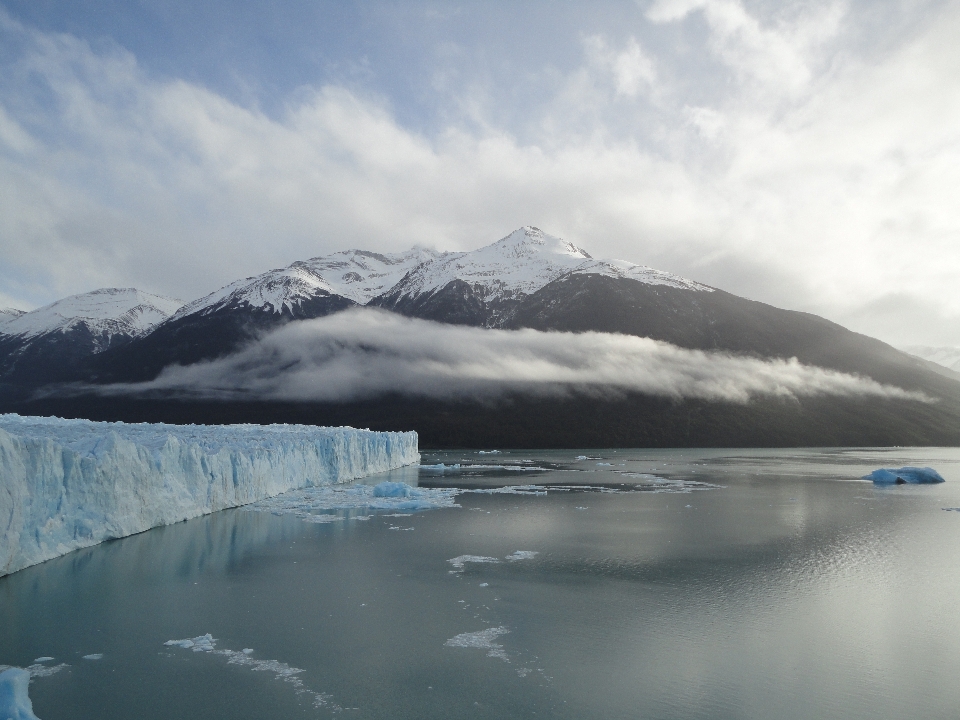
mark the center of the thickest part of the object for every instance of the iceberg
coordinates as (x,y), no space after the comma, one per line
(14,699)
(70,484)
(912,475)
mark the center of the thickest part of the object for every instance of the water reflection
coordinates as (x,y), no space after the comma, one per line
(790,589)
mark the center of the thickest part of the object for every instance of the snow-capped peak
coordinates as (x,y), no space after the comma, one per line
(521,263)
(354,274)
(109,311)
(283,288)
(8,312)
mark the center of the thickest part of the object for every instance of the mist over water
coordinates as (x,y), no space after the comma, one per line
(628,583)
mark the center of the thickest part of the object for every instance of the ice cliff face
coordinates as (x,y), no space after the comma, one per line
(69,484)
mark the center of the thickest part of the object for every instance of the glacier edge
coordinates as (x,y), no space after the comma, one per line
(70,484)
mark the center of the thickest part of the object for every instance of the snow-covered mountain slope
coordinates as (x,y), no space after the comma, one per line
(361,275)
(520,264)
(622,269)
(948,357)
(103,313)
(354,274)
(6,313)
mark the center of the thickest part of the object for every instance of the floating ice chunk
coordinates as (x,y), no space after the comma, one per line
(38,670)
(912,475)
(483,639)
(523,555)
(607,464)
(93,656)
(440,467)
(203,643)
(394,490)
(45,658)
(15,701)
(461,560)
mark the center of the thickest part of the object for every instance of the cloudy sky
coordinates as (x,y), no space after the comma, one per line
(806,154)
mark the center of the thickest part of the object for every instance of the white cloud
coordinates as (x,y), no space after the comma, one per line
(366,353)
(816,179)
(631,69)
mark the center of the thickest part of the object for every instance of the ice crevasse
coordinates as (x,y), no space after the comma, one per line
(69,484)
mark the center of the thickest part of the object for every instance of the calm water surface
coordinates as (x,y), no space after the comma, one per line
(776,585)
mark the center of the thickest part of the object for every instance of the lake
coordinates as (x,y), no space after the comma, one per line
(566,584)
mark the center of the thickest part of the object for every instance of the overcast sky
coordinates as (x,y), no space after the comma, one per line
(806,154)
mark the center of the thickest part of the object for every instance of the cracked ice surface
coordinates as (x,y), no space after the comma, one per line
(70,484)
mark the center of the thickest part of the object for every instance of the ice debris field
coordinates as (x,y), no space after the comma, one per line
(70,484)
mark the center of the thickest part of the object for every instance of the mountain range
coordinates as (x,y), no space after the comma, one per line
(54,359)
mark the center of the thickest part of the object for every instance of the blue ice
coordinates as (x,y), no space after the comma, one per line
(14,700)
(912,475)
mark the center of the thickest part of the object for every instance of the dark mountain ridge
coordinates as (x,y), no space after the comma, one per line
(526,280)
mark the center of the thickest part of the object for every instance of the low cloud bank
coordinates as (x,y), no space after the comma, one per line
(364,353)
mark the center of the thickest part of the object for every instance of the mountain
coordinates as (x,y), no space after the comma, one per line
(8,312)
(49,343)
(486,287)
(528,279)
(223,321)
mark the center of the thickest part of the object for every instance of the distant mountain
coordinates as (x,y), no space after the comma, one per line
(48,344)
(221,322)
(948,357)
(486,287)
(528,279)
(8,313)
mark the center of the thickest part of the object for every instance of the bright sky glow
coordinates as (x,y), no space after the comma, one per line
(806,154)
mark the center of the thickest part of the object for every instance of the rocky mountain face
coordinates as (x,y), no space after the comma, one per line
(527,279)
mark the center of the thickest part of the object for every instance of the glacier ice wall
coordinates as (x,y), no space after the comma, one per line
(69,484)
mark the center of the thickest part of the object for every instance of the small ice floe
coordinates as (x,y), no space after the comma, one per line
(483,639)
(510,490)
(93,656)
(522,555)
(460,561)
(45,658)
(440,467)
(280,670)
(488,452)
(203,643)
(14,697)
(484,584)
(606,464)
(903,476)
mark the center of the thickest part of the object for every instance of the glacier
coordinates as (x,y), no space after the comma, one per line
(70,484)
